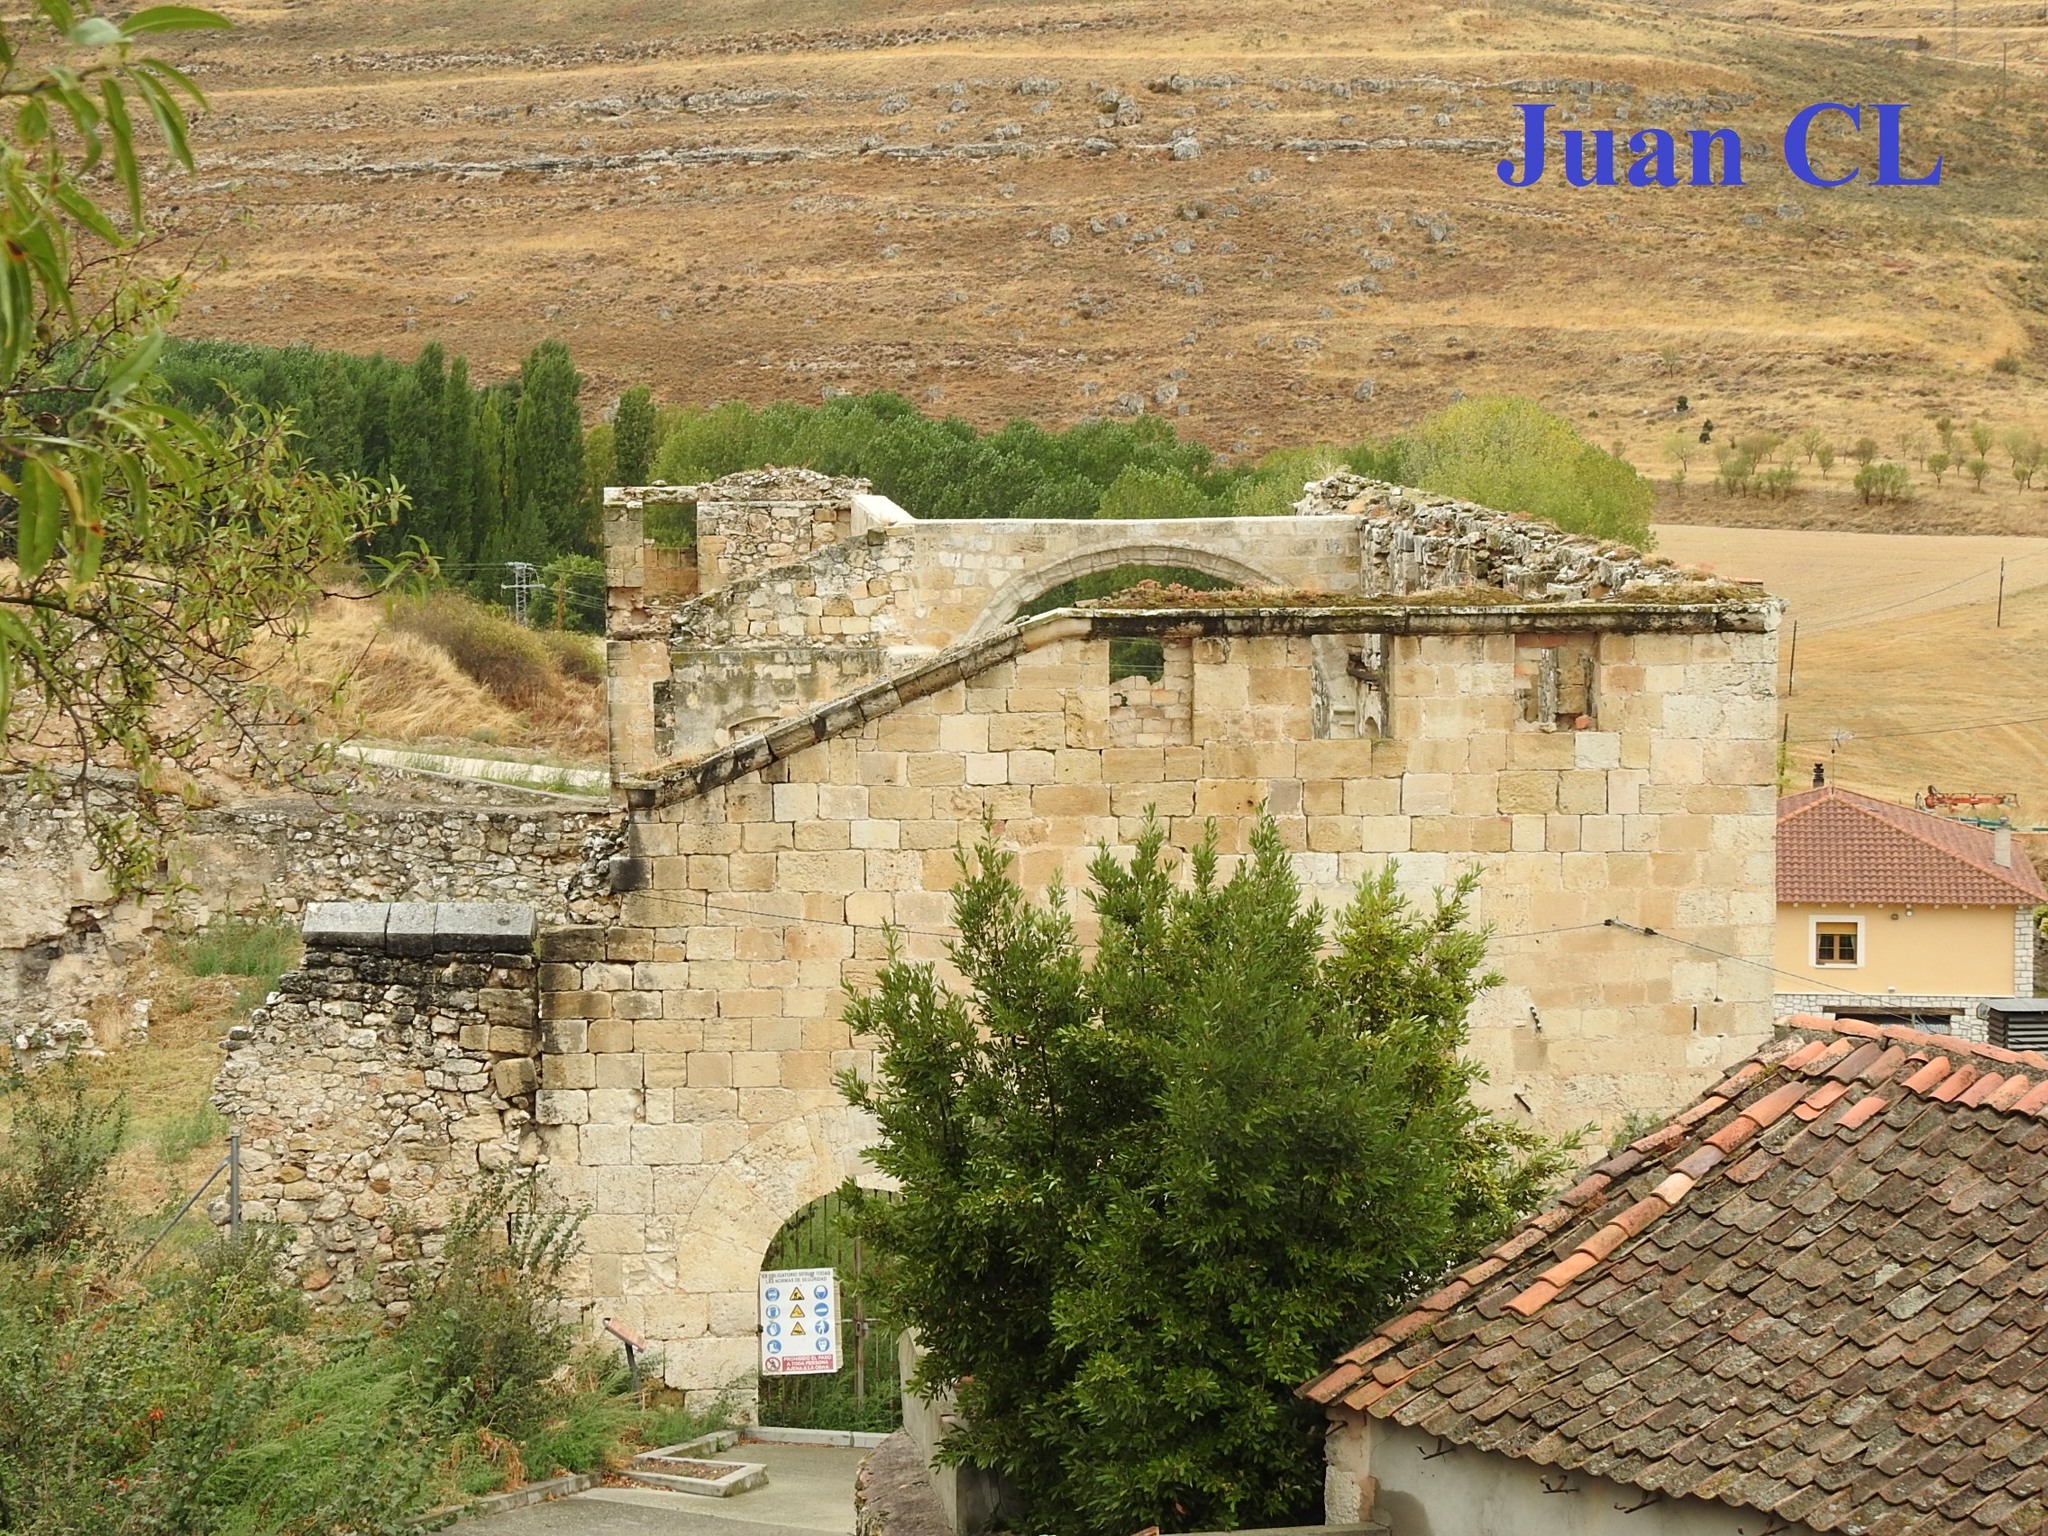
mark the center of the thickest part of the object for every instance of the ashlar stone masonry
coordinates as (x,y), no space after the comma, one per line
(1421,680)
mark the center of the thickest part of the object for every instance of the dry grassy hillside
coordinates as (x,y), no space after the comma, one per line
(978,204)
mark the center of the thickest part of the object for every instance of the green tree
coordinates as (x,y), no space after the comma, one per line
(1154,493)
(600,469)
(1937,466)
(547,449)
(633,436)
(1145,1194)
(1508,452)
(458,463)
(145,550)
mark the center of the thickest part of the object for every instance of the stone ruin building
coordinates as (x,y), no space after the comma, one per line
(811,713)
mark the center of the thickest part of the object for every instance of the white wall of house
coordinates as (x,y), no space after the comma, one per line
(1420,1486)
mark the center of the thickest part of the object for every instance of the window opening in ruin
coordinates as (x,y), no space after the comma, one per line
(1838,942)
(670,524)
(1137,658)
(1557,681)
(866,1393)
(1348,688)
(1151,693)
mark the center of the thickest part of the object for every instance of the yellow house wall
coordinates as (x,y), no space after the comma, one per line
(1923,951)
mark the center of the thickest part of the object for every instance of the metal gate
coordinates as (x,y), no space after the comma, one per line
(866,1393)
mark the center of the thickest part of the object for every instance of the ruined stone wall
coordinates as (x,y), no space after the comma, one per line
(704,1114)
(1418,541)
(762,518)
(789,560)
(64,940)
(377,1079)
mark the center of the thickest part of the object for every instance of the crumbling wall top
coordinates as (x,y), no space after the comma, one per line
(1419,541)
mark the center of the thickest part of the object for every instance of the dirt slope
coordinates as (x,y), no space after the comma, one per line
(771,200)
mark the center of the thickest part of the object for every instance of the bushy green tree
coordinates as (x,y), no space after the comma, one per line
(1147,1193)
(1508,452)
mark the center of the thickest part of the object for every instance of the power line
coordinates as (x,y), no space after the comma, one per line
(1848,620)
(1931,730)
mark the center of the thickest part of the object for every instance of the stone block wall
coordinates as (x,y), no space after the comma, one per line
(401,1057)
(773,872)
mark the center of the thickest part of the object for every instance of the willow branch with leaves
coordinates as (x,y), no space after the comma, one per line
(143,551)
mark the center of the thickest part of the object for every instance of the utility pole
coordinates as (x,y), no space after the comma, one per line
(1999,622)
(1792,667)
(519,586)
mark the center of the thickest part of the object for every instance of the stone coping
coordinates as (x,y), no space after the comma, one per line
(420,927)
(1386,616)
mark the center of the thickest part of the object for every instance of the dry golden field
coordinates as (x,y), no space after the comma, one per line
(768,200)
(1905,675)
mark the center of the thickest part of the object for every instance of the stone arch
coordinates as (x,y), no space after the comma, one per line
(816,1236)
(1021,589)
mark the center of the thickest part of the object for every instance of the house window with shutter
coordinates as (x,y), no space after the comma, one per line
(1838,942)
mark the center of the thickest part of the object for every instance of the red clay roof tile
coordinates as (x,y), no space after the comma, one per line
(1846,1327)
(1836,846)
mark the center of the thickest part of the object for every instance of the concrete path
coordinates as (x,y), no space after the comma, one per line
(809,1493)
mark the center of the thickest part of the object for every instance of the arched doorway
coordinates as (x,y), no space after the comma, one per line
(865,1393)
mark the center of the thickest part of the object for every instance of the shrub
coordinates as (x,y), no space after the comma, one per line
(1735,472)
(1145,1194)
(1779,482)
(1937,466)
(1881,483)
(2007,361)
(508,662)
(1824,456)
(485,1337)
(1977,468)
(1864,450)
(1508,452)
(580,658)
(60,1140)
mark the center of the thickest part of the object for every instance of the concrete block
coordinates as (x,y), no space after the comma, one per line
(409,928)
(357,925)
(473,926)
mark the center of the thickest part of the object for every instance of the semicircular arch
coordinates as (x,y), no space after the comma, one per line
(1022,589)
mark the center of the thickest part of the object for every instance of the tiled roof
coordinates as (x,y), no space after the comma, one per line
(1838,846)
(1818,1293)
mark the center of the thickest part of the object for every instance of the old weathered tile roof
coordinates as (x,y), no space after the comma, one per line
(1838,846)
(1817,1293)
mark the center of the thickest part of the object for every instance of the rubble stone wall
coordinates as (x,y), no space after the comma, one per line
(64,940)
(377,1079)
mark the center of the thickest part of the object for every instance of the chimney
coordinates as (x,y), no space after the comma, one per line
(2001,847)
(1820,774)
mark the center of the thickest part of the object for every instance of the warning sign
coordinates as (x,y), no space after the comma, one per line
(799,1322)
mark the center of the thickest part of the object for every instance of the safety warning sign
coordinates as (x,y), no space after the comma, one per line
(799,1322)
